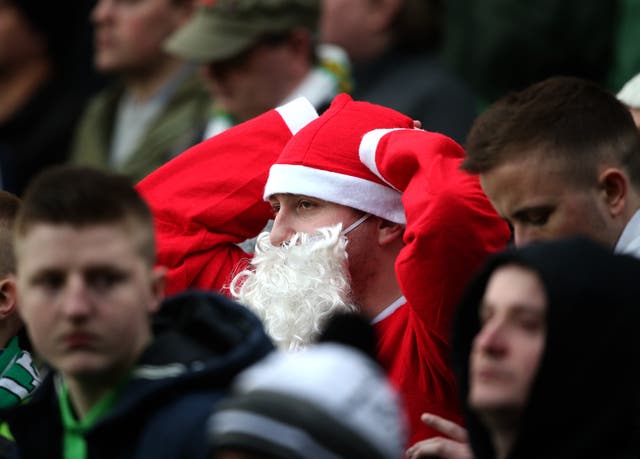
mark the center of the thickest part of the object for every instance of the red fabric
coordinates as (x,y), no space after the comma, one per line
(209,198)
(451,229)
(337,134)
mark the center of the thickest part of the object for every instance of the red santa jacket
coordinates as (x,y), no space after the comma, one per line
(451,229)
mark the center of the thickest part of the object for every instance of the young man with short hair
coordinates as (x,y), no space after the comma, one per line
(121,384)
(561,158)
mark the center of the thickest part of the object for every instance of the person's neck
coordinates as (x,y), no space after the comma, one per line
(503,442)
(18,84)
(9,328)
(381,289)
(87,390)
(143,85)
(503,426)
(85,393)
(371,50)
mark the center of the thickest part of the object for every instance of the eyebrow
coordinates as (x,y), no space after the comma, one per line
(517,308)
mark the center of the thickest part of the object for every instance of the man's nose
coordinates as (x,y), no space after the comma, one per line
(76,298)
(282,231)
(523,235)
(491,338)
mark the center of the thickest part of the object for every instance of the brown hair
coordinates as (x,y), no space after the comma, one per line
(570,120)
(83,197)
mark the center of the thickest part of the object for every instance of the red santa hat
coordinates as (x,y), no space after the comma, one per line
(323,160)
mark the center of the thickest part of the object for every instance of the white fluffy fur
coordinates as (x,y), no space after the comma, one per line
(296,287)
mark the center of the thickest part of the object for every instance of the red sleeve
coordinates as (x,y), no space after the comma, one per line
(209,198)
(451,225)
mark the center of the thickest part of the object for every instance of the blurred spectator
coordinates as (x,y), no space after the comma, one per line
(258,54)
(130,376)
(40,94)
(630,96)
(18,373)
(393,46)
(156,106)
(330,401)
(540,332)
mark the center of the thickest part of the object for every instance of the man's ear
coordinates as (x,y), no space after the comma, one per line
(615,187)
(158,282)
(8,298)
(389,232)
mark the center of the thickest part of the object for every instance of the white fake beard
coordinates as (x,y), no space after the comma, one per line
(296,287)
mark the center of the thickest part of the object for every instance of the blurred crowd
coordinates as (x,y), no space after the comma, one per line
(249,229)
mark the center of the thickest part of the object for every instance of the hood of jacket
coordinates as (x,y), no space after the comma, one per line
(583,401)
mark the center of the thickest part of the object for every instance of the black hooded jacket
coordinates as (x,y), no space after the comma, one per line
(584,401)
(201,342)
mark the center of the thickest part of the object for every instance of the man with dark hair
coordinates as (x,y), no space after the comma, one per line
(121,385)
(561,158)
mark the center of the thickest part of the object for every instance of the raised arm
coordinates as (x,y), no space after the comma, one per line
(209,198)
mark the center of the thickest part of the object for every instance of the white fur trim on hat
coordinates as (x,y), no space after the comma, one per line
(368,148)
(297,114)
(630,92)
(346,190)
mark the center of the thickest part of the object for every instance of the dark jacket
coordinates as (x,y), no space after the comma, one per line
(38,134)
(584,400)
(202,340)
(417,85)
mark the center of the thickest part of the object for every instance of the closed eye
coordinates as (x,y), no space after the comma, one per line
(101,279)
(50,279)
(536,216)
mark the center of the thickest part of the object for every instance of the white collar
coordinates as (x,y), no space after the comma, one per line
(390,309)
(629,241)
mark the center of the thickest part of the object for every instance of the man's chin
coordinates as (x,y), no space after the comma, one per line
(85,366)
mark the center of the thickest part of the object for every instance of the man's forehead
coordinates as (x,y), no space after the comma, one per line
(524,183)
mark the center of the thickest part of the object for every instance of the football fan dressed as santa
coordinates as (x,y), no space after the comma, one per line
(369,214)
